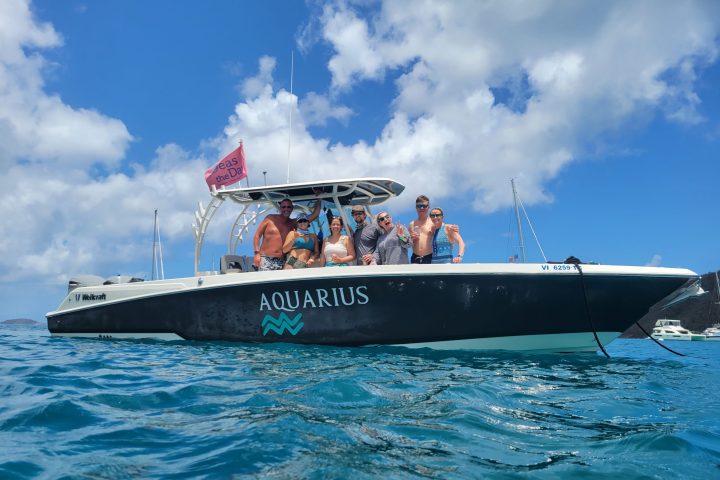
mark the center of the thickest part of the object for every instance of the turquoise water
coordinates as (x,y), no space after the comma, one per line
(75,408)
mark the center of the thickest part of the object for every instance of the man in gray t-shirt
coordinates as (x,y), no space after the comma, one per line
(365,236)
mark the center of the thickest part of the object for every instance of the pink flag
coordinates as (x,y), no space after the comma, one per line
(229,170)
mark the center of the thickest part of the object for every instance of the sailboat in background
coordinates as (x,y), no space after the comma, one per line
(521,240)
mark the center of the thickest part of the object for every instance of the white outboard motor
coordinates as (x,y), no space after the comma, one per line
(84,281)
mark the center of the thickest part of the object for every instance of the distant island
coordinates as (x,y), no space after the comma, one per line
(20,321)
(695,313)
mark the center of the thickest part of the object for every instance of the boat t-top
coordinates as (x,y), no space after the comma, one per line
(554,307)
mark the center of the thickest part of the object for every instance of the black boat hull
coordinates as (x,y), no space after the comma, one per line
(402,309)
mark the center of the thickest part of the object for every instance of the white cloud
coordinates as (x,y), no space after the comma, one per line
(318,109)
(57,218)
(253,86)
(79,224)
(350,37)
(38,127)
(18,30)
(590,69)
(576,71)
(655,261)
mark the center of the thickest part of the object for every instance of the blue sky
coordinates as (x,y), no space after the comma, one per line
(606,113)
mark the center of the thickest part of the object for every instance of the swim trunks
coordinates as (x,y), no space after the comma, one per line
(424,259)
(271,263)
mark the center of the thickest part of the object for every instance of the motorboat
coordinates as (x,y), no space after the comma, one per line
(547,307)
(712,333)
(667,329)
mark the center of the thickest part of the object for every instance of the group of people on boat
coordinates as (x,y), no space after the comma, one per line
(283,242)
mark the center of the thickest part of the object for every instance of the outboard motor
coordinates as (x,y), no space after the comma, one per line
(84,281)
(234,264)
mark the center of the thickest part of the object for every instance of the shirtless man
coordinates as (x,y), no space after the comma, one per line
(422,230)
(272,231)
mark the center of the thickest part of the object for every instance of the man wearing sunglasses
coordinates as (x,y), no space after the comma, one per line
(271,233)
(422,230)
(365,236)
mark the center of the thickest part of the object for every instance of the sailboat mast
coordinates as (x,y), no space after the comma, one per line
(292,72)
(158,271)
(519,223)
(152,270)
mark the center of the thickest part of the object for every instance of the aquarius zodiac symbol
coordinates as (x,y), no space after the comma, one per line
(282,323)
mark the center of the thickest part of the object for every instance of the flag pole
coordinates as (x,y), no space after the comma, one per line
(247,176)
(292,68)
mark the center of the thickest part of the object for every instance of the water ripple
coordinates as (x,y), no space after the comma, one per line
(92,408)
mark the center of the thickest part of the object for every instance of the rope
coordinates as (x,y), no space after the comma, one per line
(587,311)
(655,340)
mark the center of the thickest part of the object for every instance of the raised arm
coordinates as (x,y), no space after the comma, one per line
(455,237)
(414,236)
(316,212)
(403,236)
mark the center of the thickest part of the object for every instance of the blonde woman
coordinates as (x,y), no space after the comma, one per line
(338,250)
(393,245)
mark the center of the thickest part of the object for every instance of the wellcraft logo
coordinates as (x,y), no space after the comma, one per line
(282,323)
(89,296)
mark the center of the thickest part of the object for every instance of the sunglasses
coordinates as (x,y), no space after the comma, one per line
(436,215)
(355,214)
(303,220)
(382,219)
(422,206)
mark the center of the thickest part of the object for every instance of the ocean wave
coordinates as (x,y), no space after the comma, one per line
(125,409)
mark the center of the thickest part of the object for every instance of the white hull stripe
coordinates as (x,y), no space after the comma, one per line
(567,342)
(562,342)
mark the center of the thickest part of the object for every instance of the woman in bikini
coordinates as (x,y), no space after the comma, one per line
(338,250)
(301,246)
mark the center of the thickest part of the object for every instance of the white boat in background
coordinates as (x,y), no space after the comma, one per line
(712,333)
(666,329)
